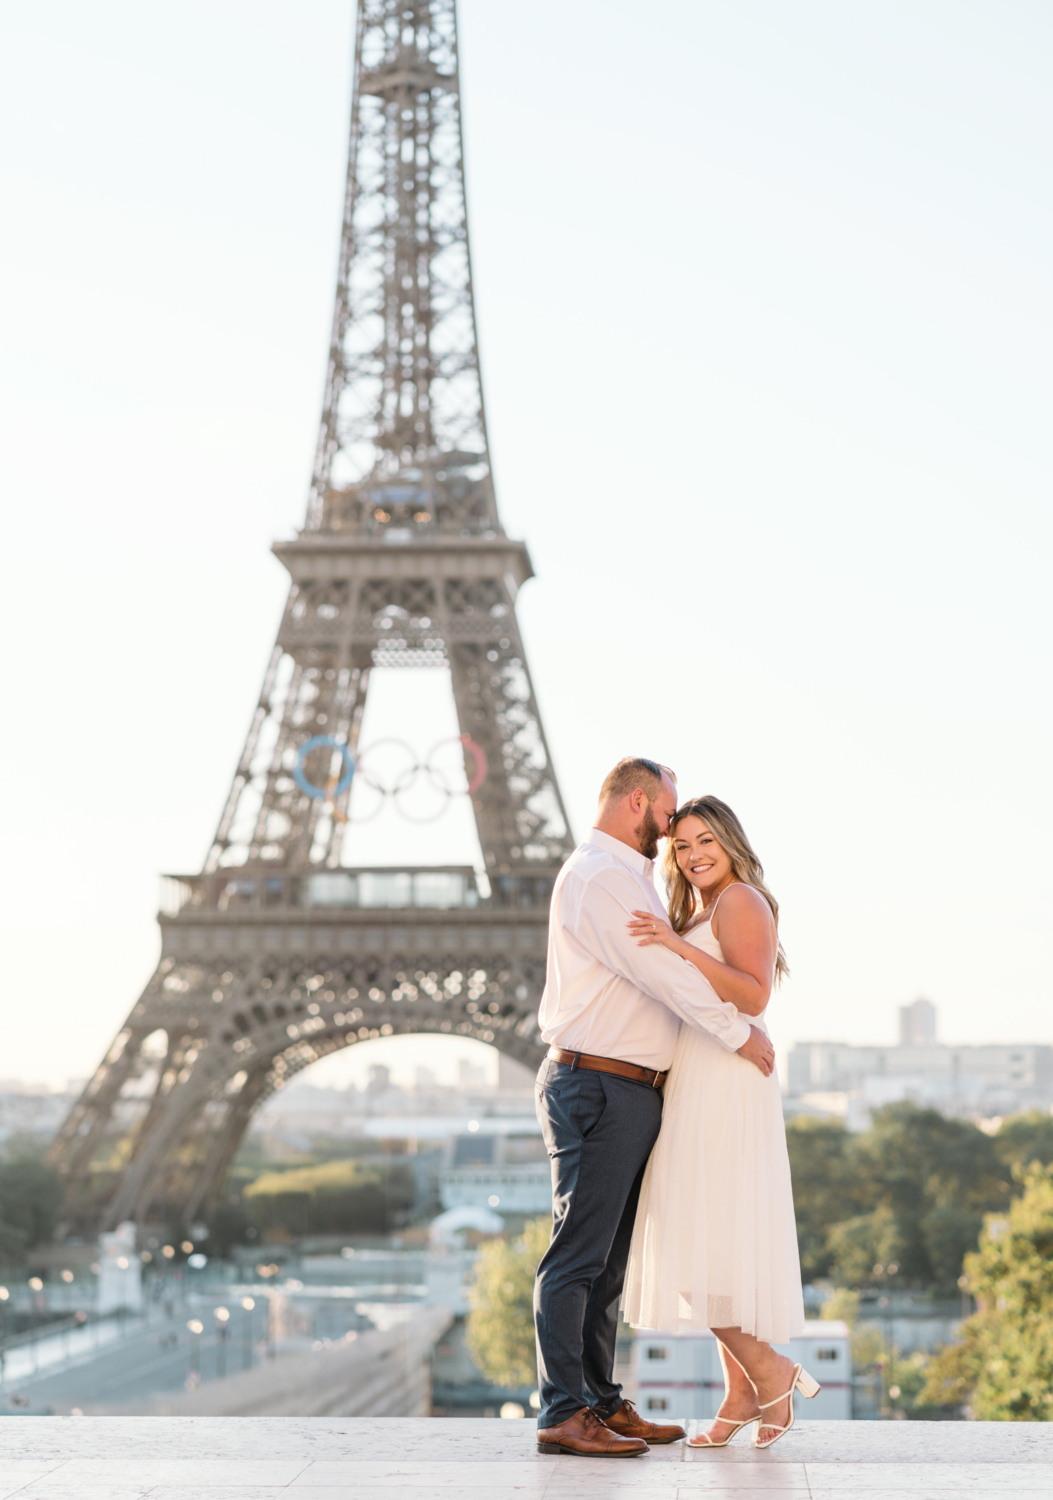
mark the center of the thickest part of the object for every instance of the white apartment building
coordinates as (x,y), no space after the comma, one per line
(995,1078)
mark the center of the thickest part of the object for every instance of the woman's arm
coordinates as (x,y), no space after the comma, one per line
(746,939)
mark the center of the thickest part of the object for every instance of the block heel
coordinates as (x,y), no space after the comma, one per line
(802,1382)
(807,1385)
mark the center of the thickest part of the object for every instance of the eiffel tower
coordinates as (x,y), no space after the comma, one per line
(280,952)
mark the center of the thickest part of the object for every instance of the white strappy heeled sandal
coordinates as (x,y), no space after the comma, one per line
(802,1382)
(705,1441)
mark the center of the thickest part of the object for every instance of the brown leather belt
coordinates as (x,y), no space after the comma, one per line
(607,1065)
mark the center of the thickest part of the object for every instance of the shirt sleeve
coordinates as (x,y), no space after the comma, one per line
(599,921)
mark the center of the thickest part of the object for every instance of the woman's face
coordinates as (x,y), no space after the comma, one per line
(699,856)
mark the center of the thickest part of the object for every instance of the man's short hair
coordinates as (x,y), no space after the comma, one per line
(632,772)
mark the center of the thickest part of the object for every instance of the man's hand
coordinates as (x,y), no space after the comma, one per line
(759,1051)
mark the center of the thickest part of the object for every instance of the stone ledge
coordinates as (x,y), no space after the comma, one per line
(204,1458)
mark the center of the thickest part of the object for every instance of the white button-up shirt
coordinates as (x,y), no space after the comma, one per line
(603,993)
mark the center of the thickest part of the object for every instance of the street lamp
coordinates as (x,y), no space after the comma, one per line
(248,1303)
(4,1294)
(272,1352)
(888,1392)
(197,1328)
(222,1316)
(36,1286)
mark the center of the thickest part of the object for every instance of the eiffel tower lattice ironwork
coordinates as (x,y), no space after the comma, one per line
(279,953)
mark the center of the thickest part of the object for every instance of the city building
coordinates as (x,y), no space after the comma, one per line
(917,1024)
(32,1108)
(470,1146)
(978,1080)
(524,1188)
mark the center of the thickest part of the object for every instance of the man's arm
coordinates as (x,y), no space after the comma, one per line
(600,923)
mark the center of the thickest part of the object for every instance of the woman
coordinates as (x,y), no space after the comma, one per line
(715,1242)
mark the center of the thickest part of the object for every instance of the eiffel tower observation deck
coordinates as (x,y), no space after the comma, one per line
(281,950)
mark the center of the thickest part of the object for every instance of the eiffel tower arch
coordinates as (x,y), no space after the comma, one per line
(281,951)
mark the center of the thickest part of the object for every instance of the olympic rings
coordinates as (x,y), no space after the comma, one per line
(403,781)
(322,794)
(481,768)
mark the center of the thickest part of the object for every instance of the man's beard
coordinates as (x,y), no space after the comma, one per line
(647,834)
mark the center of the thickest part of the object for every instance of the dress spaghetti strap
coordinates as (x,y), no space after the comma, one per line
(709,914)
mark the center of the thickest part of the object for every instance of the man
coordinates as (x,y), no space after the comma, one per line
(610,1012)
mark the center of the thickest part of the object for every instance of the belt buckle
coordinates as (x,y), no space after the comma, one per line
(655,1075)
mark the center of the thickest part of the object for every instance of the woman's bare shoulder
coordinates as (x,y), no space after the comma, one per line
(741,897)
(741,907)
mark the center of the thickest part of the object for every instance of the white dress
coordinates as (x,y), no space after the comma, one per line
(715,1241)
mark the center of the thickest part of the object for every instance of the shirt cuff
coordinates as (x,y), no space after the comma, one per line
(740,1034)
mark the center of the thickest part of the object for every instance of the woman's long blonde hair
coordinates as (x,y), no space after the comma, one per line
(745,866)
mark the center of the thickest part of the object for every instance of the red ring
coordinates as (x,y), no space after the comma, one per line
(481,767)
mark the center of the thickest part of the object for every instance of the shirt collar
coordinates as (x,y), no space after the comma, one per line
(625,852)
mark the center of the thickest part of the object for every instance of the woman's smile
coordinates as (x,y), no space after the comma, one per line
(704,863)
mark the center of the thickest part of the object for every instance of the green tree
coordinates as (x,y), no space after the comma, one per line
(937,1177)
(336,1197)
(826,1187)
(948,1232)
(841,1305)
(227,1227)
(1004,1362)
(910,1192)
(1025,1138)
(896,1380)
(501,1321)
(858,1244)
(31,1196)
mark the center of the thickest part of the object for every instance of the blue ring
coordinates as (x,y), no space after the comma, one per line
(320,794)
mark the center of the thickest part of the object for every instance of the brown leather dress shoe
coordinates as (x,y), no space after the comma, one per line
(584,1436)
(627,1422)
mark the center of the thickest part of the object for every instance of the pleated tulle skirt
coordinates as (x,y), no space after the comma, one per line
(715,1242)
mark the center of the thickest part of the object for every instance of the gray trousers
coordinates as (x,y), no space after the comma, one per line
(599,1130)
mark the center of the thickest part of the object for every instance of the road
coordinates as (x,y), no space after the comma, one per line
(160,1357)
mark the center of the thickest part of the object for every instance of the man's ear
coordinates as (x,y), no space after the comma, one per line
(637,798)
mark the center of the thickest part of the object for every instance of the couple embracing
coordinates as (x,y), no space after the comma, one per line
(671,1198)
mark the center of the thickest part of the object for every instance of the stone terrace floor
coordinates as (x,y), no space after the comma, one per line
(248,1458)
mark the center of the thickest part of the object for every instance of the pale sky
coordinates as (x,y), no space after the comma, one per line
(765,313)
